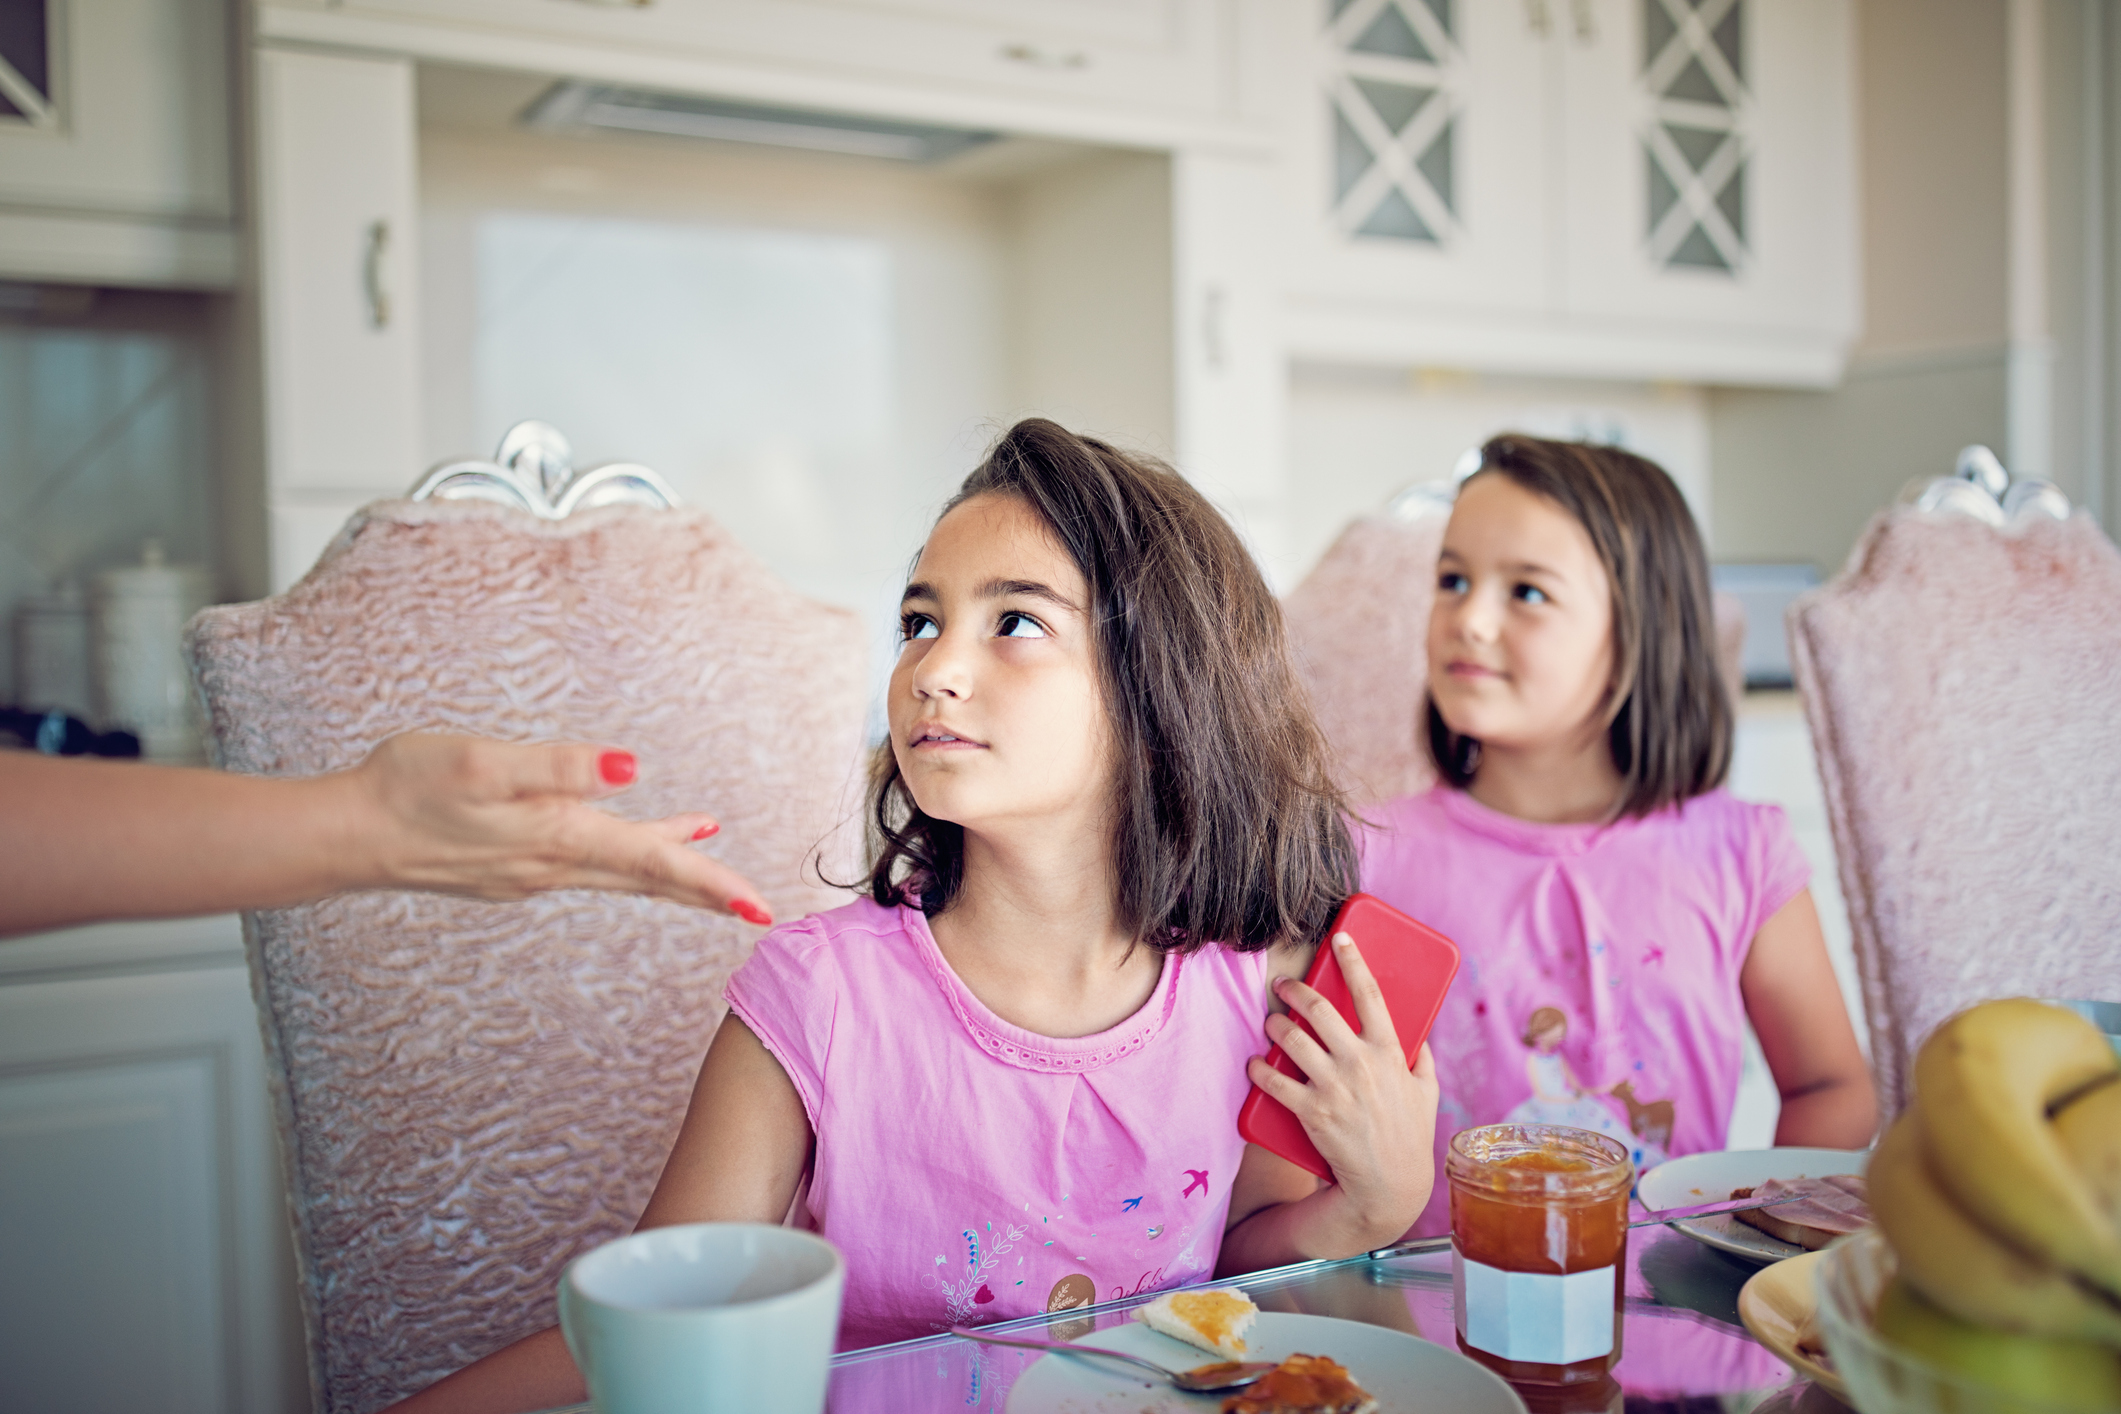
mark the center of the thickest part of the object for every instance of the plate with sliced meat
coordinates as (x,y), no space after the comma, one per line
(1830,1201)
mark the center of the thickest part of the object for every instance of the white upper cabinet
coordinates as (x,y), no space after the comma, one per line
(1708,147)
(338,297)
(1419,149)
(115,143)
(1071,67)
(1625,188)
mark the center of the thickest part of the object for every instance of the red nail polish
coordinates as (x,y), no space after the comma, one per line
(617,767)
(750,912)
(704,831)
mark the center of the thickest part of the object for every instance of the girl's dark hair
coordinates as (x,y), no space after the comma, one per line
(1670,729)
(1226,825)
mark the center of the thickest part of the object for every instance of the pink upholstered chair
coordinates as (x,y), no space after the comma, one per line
(1359,626)
(1963,682)
(472,1094)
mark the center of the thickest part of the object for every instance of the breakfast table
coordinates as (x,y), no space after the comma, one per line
(1683,1348)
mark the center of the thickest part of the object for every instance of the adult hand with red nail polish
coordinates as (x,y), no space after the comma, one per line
(448,814)
(502,821)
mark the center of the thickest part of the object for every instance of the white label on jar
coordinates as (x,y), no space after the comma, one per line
(1535,1316)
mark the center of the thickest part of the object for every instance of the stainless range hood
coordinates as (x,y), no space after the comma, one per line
(574,106)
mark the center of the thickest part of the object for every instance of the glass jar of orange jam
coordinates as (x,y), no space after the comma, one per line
(1539,1240)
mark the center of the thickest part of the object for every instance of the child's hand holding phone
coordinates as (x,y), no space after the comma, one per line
(1370,1118)
(1341,1094)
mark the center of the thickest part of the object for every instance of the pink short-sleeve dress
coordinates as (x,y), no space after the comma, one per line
(1599,982)
(972,1171)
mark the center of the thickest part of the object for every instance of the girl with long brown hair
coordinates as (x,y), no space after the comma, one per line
(1007,1079)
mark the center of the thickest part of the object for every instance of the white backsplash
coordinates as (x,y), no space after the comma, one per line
(106,440)
(1357,436)
(813,351)
(752,369)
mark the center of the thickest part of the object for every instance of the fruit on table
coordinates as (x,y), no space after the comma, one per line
(2067,1374)
(1999,1191)
(1985,1085)
(1959,1264)
(2090,1130)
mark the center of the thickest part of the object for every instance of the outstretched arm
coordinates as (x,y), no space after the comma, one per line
(1795,1004)
(739,1157)
(83,841)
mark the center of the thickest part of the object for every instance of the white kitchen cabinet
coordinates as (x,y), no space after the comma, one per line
(1717,190)
(1230,387)
(1606,188)
(338,296)
(143,1227)
(1103,69)
(1418,172)
(115,143)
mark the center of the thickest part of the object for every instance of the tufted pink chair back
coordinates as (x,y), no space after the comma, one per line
(472,1094)
(1963,685)
(1359,628)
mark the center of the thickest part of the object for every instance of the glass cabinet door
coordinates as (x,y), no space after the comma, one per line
(1706,153)
(1418,169)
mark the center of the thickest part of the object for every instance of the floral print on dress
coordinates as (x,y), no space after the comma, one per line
(969,1288)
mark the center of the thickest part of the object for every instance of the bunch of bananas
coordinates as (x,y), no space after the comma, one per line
(1999,1190)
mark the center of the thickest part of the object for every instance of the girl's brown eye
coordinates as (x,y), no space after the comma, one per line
(914,626)
(1532,594)
(1016,625)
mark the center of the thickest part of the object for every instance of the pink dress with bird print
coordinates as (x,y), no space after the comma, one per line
(1600,963)
(972,1171)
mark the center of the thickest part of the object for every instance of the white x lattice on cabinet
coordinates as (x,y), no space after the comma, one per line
(1616,188)
(1695,142)
(1393,77)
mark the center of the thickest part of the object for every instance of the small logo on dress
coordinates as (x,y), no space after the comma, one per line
(1071,1291)
(1131,1204)
(1199,1179)
(1068,1293)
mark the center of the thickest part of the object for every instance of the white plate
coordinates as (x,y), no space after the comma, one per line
(1405,1373)
(1709,1178)
(1780,1306)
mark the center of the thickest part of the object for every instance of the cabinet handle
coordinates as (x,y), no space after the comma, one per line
(1038,58)
(1586,22)
(372,282)
(1537,16)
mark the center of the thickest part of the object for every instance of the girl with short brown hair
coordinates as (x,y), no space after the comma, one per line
(1623,916)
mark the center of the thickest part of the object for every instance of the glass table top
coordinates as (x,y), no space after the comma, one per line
(1683,1348)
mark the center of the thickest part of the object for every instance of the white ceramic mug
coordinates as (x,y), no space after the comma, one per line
(705,1318)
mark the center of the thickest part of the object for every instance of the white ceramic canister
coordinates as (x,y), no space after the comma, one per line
(51,653)
(142,683)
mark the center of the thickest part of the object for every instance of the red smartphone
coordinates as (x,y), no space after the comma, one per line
(1414,965)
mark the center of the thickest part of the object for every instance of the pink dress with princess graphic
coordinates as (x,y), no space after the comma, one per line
(972,1171)
(1599,981)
